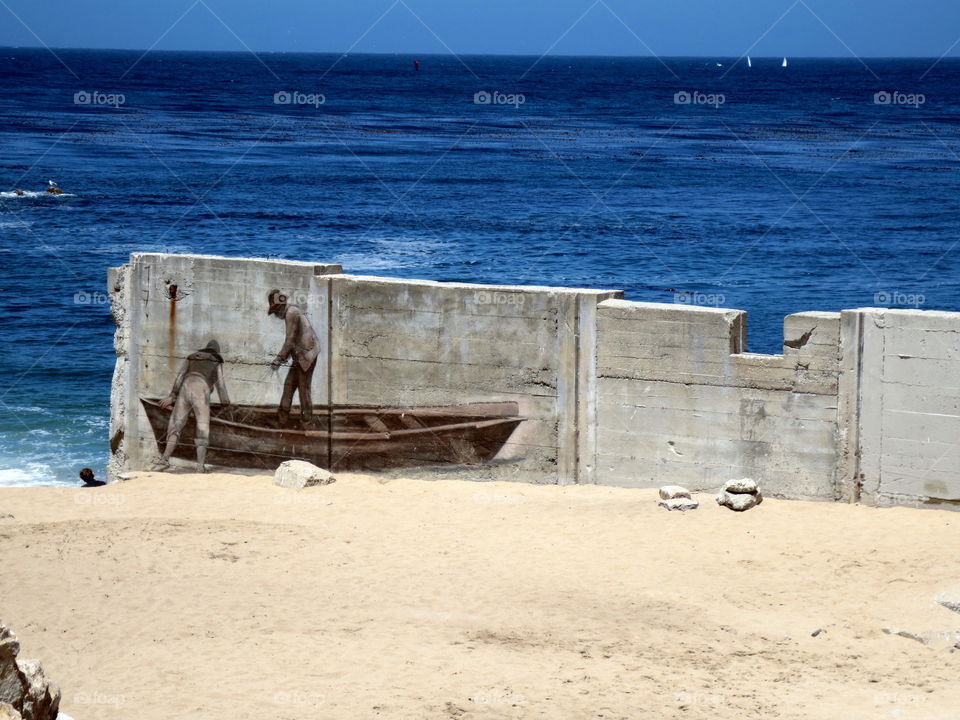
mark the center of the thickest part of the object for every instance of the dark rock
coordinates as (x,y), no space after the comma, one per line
(23,685)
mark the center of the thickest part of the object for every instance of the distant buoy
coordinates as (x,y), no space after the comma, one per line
(416,65)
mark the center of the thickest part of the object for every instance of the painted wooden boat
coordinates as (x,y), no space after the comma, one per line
(346,437)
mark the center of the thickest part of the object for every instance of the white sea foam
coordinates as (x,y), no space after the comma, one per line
(355,262)
(393,253)
(33,473)
(34,194)
(126,248)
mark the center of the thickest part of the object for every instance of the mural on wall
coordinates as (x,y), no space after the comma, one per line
(187,425)
(302,346)
(189,401)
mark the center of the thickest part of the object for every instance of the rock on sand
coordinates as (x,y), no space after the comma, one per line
(679,503)
(739,501)
(300,474)
(669,492)
(23,686)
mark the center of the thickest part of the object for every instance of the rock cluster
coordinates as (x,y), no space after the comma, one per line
(740,495)
(674,497)
(300,474)
(24,690)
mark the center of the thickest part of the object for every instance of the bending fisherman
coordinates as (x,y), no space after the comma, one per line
(200,373)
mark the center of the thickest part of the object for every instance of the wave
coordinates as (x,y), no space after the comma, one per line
(353,262)
(132,246)
(34,194)
(29,408)
(34,473)
(393,253)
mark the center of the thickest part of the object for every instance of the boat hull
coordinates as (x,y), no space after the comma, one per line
(345,437)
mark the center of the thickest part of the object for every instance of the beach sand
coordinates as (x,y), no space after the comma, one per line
(219,596)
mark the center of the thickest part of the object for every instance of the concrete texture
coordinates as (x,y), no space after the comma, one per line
(904,408)
(408,343)
(679,403)
(859,405)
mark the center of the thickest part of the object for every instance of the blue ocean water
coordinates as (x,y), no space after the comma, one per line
(828,184)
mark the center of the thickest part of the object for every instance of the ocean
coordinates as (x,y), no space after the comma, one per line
(828,184)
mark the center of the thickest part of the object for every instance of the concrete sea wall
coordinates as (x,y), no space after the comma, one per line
(545,385)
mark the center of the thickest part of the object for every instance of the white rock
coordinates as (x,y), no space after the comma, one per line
(669,492)
(679,503)
(741,487)
(300,474)
(738,501)
(950,600)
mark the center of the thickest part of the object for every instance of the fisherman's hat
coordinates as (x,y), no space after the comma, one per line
(277,300)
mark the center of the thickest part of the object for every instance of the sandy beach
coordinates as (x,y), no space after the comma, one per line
(224,596)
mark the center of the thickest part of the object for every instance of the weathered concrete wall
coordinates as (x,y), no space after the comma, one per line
(859,405)
(215,298)
(904,407)
(679,403)
(385,342)
(410,343)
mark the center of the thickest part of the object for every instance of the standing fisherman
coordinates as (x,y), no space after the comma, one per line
(302,345)
(200,373)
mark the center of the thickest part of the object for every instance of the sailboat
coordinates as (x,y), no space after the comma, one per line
(784,64)
(749,64)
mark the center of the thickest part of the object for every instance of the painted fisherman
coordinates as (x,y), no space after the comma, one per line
(200,373)
(302,347)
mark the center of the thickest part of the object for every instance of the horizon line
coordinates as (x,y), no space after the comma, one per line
(49,48)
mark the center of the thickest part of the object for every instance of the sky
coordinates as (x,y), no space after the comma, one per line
(713,28)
